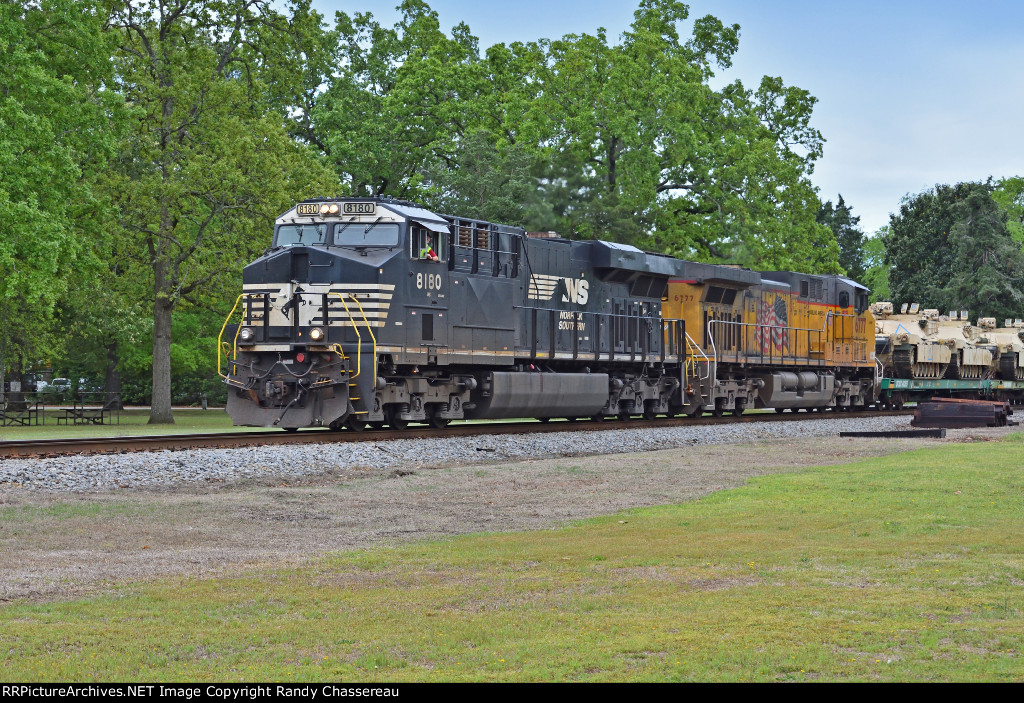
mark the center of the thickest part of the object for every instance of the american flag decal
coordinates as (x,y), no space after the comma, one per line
(772,324)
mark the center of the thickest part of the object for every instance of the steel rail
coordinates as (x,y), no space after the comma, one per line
(225,440)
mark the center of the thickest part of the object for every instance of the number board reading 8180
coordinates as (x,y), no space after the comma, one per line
(347,209)
(359,208)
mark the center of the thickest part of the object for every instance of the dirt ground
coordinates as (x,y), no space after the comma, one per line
(58,546)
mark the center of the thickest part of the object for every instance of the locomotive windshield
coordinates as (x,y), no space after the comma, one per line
(291,235)
(356,234)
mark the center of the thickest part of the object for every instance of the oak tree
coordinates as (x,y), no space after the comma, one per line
(207,164)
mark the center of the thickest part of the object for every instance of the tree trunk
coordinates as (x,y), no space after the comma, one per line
(160,412)
(112,382)
(16,398)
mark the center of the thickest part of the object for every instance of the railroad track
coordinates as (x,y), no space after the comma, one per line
(224,440)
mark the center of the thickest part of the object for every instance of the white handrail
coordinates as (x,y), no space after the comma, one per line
(713,364)
(696,346)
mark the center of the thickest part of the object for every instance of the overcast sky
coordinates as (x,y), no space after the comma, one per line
(910,93)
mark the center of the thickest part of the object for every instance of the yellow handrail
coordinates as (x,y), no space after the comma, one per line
(234,350)
(373,337)
(359,337)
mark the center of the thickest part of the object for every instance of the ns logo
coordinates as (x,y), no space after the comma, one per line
(576,291)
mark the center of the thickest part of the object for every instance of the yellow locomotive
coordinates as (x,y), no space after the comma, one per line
(777,339)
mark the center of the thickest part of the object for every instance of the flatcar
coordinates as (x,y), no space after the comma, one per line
(374,310)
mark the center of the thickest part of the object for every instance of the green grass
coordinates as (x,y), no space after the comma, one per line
(20,514)
(133,423)
(907,567)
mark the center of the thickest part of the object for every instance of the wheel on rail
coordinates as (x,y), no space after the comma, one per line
(355,424)
(624,417)
(650,410)
(719,409)
(434,419)
(543,420)
(393,418)
(695,411)
(738,410)
(572,419)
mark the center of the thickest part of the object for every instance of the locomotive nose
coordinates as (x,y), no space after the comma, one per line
(293,264)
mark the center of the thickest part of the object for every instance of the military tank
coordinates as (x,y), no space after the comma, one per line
(971,359)
(906,343)
(1007,345)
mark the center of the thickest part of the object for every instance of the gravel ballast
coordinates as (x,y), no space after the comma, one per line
(89,473)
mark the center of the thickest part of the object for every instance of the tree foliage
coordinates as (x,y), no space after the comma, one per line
(483,181)
(1009,195)
(876,273)
(949,248)
(627,141)
(57,130)
(849,237)
(393,100)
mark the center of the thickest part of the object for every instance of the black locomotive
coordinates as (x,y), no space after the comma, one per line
(376,310)
(379,311)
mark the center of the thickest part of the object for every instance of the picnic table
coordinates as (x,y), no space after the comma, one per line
(90,411)
(21,412)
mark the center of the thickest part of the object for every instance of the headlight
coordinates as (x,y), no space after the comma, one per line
(246,334)
(316,334)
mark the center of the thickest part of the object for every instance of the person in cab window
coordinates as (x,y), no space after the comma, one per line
(427,252)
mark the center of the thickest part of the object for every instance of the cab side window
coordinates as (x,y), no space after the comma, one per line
(862,302)
(427,245)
